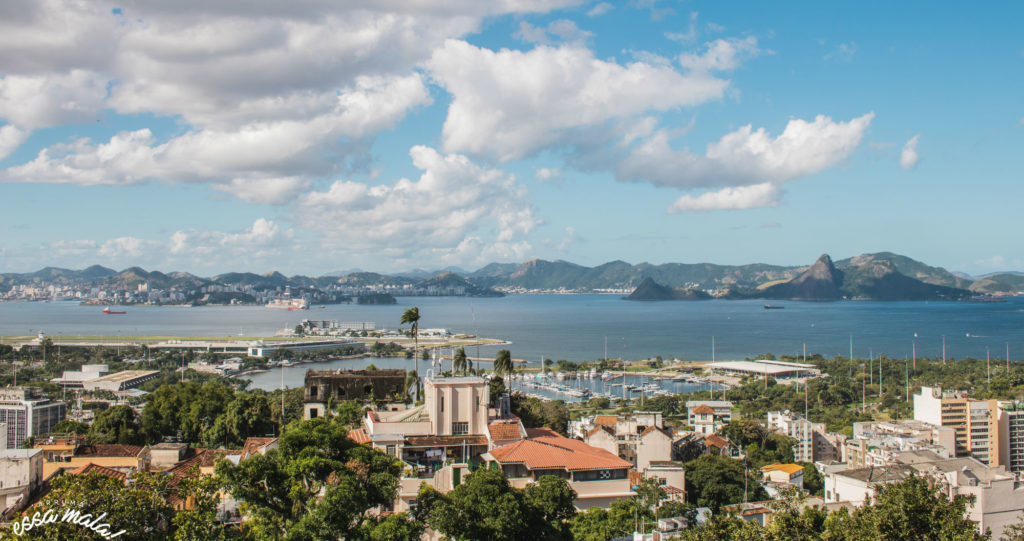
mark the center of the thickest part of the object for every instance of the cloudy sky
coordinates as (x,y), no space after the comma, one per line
(314,136)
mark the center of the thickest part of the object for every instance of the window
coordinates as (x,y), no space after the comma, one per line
(312,392)
(390,450)
(460,429)
(312,413)
(442,403)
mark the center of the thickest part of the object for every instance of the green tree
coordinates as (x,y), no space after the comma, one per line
(199,521)
(396,527)
(317,485)
(68,426)
(246,416)
(140,508)
(412,316)
(908,509)
(715,481)
(118,424)
(485,506)
(459,361)
(503,364)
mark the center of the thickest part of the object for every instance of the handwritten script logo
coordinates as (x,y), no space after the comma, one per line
(71,516)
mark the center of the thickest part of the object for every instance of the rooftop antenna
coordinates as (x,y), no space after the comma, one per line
(913,345)
(283,368)
(908,379)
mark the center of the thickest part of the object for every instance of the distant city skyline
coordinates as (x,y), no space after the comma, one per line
(315,137)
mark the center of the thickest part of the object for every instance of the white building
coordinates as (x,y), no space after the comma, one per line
(998,496)
(798,428)
(1011,435)
(74,379)
(27,414)
(21,473)
(711,417)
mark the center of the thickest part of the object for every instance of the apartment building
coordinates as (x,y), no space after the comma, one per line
(998,496)
(975,422)
(27,414)
(798,428)
(878,443)
(1011,435)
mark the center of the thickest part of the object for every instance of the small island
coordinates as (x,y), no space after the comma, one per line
(376,298)
(649,290)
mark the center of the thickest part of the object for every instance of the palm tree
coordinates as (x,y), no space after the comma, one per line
(503,365)
(412,315)
(459,361)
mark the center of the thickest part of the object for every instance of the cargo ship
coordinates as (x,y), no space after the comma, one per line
(288,304)
(107,310)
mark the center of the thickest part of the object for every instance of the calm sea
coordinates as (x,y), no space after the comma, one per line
(576,327)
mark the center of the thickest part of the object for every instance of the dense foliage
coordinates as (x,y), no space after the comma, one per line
(485,506)
(317,485)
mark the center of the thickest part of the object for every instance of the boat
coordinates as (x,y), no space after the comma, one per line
(773,307)
(107,310)
(288,304)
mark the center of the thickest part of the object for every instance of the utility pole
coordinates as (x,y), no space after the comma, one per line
(851,346)
(871,366)
(863,390)
(908,379)
(1007,358)
(914,346)
(988,366)
(943,350)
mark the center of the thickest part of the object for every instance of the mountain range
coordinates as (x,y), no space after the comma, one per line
(881,275)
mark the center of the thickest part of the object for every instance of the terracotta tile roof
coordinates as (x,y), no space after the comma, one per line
(652,428)
(108,450)
(252,446)
(504,431)
(788,468)
(102,470)
(546,449)
(203,458)
(599,428)
(670,490)
(714,440)
(704,409)
(359,436)
(606,420)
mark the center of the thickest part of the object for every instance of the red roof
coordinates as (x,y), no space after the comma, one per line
(607,420)
(714,440)
(599,428)
(704,409)
(546,449)
(252,446)
(504,431)
(102,470)
(652,428)
(359,436)
(108,450)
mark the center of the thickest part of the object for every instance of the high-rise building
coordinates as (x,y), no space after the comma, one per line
(798,428)
(27,414)
(974,421)
(1011,435)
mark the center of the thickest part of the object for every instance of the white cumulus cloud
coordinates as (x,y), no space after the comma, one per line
(510,104)
(742,197)
(721,55)
(908,156)
(747,156)
(453,200)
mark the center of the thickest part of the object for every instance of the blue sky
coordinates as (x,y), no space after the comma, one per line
(320,137)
